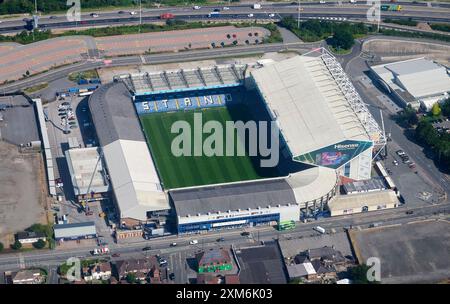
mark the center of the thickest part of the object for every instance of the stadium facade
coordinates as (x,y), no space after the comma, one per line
(324,126)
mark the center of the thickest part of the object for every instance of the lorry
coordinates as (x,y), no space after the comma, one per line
(391,7)
(319,229)
(166,16)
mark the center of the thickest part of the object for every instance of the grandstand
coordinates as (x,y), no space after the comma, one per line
(184,80)
(321,116)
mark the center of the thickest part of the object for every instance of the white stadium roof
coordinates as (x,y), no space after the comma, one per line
(134,178)
(308,103)
(420,77)
(311,184)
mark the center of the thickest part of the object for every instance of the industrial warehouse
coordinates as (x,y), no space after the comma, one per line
(334,143)
(419,82)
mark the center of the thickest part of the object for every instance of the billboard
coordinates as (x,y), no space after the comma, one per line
(334,156)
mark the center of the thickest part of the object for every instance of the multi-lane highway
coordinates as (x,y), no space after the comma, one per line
(415,11)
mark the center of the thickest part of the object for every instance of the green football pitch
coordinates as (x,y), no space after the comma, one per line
(186,171)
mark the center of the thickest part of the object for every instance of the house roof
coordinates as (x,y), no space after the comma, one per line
(213,256)
(29,235)
(136,265)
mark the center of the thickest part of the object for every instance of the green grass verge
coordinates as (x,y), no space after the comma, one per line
(186,171)
(36,88)
(83,75)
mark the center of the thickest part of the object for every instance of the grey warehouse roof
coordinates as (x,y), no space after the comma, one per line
(232,197)
(74,230)
(114,115)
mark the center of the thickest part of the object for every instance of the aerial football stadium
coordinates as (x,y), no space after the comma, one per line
(326,136)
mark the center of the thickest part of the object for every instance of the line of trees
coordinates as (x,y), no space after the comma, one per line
(426,134)
(340,34)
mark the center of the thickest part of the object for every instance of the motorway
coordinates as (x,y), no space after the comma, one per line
(416,11)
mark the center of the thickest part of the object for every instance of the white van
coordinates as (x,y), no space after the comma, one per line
(319,229)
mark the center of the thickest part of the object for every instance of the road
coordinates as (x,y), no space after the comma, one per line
(155,59)
(357,68)
(416,11)
(162,245)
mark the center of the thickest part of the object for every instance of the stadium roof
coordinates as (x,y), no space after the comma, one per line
(312,112)
(135,181)
(86,171)
(232,197)
(183,80)
(132,172)
(114,115)
(420,77)
(313,183)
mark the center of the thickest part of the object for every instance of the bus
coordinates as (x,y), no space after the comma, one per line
(286,225)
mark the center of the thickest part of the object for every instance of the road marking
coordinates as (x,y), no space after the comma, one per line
(143,59)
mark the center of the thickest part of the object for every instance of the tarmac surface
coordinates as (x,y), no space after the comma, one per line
(41,56)
(412,253)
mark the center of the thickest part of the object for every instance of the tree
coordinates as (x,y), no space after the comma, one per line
(445,107)
(358,275)
(39,244)
(1,246)
(131,278)
(17,245)
(436,109)
(342,39)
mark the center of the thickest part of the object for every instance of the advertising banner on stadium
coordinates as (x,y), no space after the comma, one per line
(336,155)
(170,104)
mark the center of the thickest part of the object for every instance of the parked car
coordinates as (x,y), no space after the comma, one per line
(409,212)
(221,239)
(147,248)
(162,263)
(172,276)
(173,244)
(116,255)
(245,233)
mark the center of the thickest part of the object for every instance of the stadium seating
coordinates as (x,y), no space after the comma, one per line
(181,102)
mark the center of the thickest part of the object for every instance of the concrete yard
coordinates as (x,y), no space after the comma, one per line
(21,200)
(417,252)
